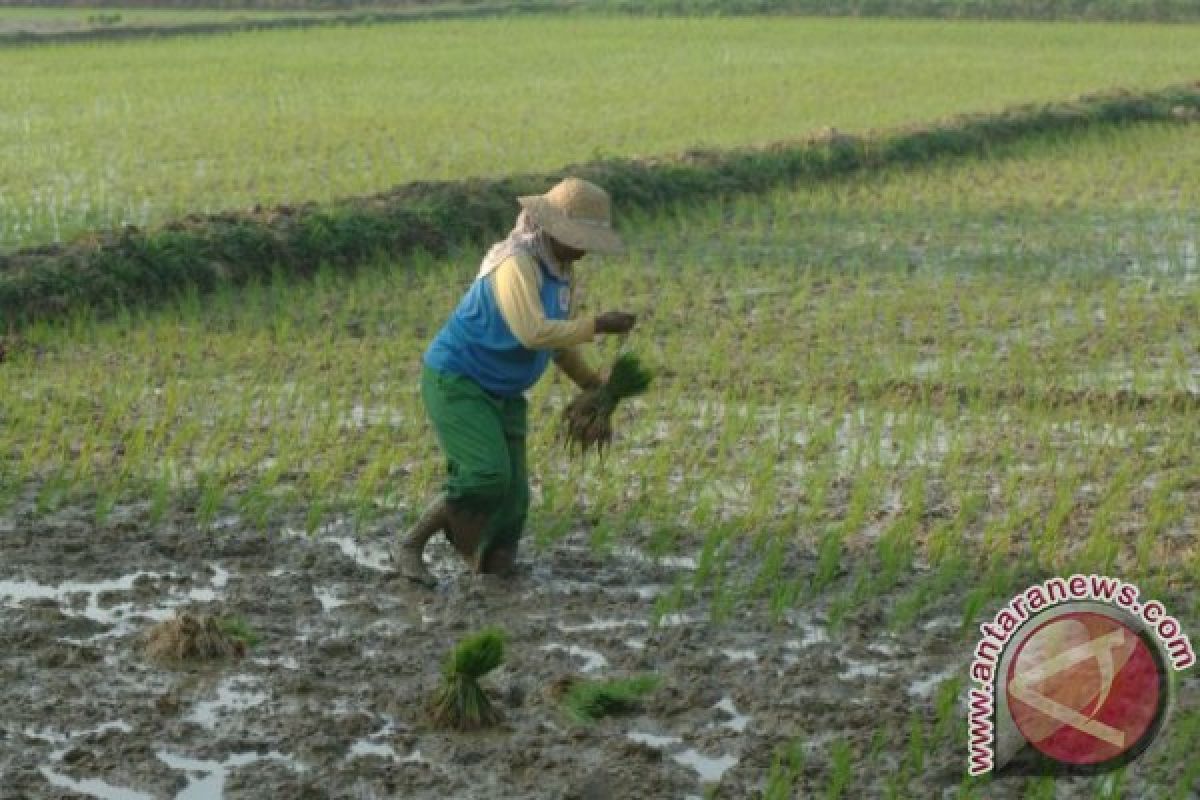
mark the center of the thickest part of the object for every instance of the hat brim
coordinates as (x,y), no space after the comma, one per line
(573,233)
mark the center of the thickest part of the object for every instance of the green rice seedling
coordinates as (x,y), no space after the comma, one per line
(1044,787)
(946,715)
(1187,735)
(841,759)
(785,773)
(460,703)
(915,751)
(1110,786)
(587,420)
(236,627)
(586,701)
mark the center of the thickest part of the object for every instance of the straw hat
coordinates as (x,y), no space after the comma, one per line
(576,213)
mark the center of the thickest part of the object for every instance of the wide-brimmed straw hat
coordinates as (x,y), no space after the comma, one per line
(576,213)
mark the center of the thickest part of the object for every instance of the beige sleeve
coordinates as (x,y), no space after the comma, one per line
(516,285)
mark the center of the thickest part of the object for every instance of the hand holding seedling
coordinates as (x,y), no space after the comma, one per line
(588,418)
(615,322)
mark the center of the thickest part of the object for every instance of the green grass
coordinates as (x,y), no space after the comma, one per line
(99,135)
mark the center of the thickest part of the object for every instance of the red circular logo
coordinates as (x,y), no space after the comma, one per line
(1085,689)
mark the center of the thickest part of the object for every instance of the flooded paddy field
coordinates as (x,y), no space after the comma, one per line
(880,408)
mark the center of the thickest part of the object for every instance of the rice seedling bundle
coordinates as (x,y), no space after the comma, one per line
(587,701)
(191,637)
(587,419)
(460,703)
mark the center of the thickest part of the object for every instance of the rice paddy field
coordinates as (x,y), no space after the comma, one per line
(103,134)
(882,404)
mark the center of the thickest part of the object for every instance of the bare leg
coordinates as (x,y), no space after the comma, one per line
(408,555)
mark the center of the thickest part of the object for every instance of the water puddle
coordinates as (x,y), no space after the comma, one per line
(653,739)
(365,747)
(329,600)
(734,720)
(592,659)
(858,669)
(598,624)
(671,562)
(53,737)
(233,695)
(710,769)
(285,662)
(924,688)
(361,416)
(941,623)
(93,787)
(811,634)
(219,580)
(886,649)
(210,783)
(372,557)
(83,599)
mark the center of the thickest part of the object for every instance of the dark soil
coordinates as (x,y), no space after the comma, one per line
(331,703)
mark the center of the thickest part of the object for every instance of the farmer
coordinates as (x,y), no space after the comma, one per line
(513,320)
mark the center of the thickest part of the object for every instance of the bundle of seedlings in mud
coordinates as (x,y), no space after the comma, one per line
(189,637)
(586,701)
(460,702)
(587,419)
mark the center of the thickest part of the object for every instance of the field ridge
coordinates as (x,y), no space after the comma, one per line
(336,12)
(105,271)
(128,32)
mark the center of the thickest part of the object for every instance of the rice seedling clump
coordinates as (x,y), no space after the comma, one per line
(587,701)
(588,418)
(192,638)
(460,703)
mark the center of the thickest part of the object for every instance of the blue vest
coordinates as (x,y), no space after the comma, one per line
(477,343)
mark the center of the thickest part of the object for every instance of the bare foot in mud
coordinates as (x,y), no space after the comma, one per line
(411,565)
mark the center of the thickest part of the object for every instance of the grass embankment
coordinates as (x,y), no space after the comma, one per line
(99,136)
(75,28)
(1109,10)
(202,253)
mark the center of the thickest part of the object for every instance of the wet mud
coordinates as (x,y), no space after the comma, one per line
(331,701)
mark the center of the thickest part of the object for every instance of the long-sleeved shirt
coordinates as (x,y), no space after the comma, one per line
(517,284)
(508,326)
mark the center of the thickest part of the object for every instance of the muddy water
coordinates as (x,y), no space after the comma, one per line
(329,704)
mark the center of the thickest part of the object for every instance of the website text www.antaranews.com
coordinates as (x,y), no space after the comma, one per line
(1033,601)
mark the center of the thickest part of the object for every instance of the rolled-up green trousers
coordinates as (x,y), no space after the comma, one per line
(483,439)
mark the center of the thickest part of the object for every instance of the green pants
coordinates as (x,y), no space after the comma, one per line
(483,439)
